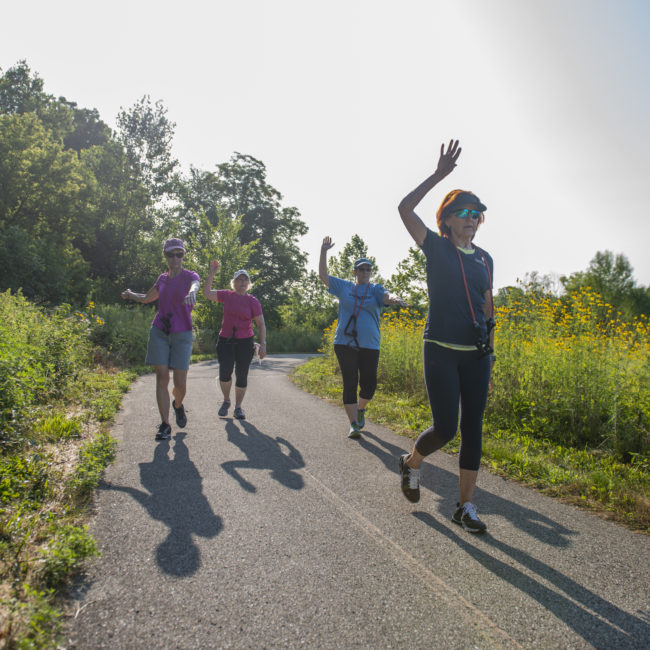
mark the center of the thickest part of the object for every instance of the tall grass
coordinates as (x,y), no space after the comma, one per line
(569,370)
(573,371)
(569,412)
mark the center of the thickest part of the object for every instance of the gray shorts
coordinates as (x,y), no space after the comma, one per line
(173,350)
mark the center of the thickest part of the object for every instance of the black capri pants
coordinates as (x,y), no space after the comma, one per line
(237,354)
(358,367)
(453,377)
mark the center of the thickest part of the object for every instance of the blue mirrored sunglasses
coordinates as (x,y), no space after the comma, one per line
(463,214)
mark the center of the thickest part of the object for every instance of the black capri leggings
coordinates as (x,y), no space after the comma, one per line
(358,367)
(237,354)
(454,376)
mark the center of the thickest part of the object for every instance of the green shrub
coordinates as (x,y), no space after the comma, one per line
(94,456)
(68,547)
(25,479)
(293,340)
(52,428)
(122,330)
(41,356)
(35,622)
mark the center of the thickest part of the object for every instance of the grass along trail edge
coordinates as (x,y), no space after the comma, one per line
(587,478)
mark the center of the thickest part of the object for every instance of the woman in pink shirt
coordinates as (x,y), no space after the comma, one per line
(170,336)
(235,348)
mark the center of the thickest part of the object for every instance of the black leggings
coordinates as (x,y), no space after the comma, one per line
(454,376)
(237,354)
(358,367)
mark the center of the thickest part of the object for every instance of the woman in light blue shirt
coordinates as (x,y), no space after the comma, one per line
(356,342)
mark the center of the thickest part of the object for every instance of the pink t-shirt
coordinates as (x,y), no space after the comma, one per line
(171,308)
(238,311)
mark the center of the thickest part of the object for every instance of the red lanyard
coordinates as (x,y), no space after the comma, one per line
(462,270)
(356,313)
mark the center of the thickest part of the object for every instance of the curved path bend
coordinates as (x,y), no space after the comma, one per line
(280,532)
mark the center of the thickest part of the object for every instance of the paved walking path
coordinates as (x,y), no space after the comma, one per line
(279,531)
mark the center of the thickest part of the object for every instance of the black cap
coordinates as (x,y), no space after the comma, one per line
(464,198)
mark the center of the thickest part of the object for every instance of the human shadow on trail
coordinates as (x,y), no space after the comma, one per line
(263,452)
(581,609)
(175,496)
(445,485)
(596,620)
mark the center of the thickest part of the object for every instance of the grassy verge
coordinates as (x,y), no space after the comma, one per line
(45,488)
(586,478)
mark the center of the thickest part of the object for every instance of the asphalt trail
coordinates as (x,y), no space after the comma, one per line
(279,531)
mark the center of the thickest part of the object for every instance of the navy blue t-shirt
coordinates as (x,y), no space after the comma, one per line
(449,319)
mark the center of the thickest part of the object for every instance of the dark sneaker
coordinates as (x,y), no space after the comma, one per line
(164,432)
(361,418)
(181,418)
(223,411)
(238,413)
(410,480)
(354,430)
(466,517)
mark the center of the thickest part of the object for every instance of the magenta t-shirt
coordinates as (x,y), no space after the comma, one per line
(238,311)
(171,293)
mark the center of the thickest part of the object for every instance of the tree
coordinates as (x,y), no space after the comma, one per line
(88,130)
(410,280)
(309,305)
(44,189)
(612,277)
(239,188)
(44,270)
(21,92)
(220,242)
(147,134)
(341,265)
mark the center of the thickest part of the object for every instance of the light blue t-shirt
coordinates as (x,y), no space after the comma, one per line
(370,298)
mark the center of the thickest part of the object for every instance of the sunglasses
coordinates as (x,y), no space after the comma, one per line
(463,214)
(179,255)
(364,268)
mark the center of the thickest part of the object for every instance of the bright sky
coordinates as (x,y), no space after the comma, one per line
(347,103)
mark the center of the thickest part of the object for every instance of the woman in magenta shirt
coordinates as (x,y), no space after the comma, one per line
(236,347)
(170,337)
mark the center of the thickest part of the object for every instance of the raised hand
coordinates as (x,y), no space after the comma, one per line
(447,160)
(327,243)
(214,267)
(190,298)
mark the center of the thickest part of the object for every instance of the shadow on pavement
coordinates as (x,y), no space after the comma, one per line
(175,497)
(619,629)
(445,485)
(263,452)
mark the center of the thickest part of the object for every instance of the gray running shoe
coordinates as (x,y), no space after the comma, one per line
(410,480)
(223,411)
(238,413)
(181,418)
(354,431)
(466,517)
(164,432)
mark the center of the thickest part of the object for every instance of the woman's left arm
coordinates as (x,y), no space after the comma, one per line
(261,326)
(390,299)
(190,298)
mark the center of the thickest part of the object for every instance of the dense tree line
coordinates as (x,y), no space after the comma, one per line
(84,210)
